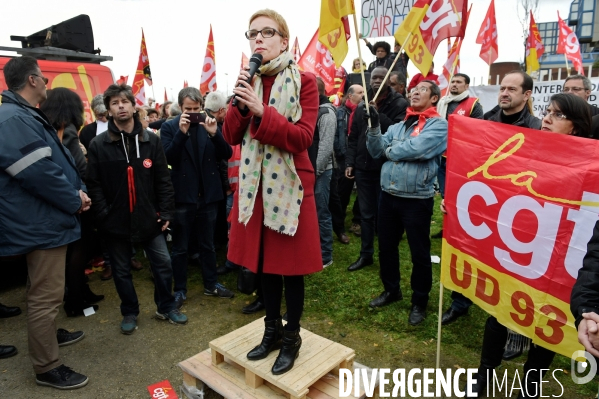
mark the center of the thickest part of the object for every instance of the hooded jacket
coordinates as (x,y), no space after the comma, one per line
(109,156)
(39,183)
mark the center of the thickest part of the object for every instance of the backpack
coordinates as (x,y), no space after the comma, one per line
(313,149)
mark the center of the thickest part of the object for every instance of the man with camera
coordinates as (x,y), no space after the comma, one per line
(194,146)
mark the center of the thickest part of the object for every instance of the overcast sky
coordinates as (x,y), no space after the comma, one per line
(176,33)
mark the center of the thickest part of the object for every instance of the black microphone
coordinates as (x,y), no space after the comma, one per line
(255,63)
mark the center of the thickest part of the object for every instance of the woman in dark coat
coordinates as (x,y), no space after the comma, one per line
(65,111)
(274,225)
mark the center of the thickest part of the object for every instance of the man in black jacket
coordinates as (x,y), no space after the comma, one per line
(514,93)
(391,107)
(194,152)
(584,300)
(132,201)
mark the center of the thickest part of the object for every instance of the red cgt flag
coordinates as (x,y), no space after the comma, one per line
(428,23)
(142,73)
(487,36)
(208,81)
(122,80)
(185,84)
(568,44)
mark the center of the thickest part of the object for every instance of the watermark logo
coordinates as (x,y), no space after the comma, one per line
(579,368)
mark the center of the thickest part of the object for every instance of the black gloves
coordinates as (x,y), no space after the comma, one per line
(374,115)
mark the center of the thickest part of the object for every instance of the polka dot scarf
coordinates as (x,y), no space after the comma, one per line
(282,191)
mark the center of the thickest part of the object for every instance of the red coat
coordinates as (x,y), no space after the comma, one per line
(282,254)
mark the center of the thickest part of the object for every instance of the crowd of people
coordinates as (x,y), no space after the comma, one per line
(281,165)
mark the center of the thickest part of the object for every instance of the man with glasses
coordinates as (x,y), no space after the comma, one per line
(580,86)
(391,108)
(42,195)
(411,151)
(100,125)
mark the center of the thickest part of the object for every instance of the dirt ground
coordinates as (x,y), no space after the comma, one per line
(122,366)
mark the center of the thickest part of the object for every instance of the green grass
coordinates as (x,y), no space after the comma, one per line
(336,306)
(342,298)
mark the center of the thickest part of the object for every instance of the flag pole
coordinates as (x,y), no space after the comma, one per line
(391,67)
(567,66)
(438,362)
(361,67)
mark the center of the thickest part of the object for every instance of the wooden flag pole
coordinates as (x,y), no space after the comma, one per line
(567,65)
(437,364)
(391,67)
(361,66)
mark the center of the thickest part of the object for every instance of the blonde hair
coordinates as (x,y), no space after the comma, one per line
(141,113)
(278,18)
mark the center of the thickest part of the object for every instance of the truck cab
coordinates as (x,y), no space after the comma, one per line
(66,63)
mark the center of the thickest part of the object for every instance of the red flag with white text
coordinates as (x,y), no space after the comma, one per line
(297,54)
(208,81)
(487,36)
(123,80)
(244,60)
(428,23)
(317,60)
(568,44)
(451,67)
(142,73)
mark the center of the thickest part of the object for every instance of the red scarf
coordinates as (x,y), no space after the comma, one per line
(422,117)
(352,107)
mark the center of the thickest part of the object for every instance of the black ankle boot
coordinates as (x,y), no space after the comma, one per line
(273,332)
(292,343)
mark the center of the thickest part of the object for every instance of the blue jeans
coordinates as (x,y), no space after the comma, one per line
(322,191)
(369,190)
(412,215)
(119,251)
(183,224)
(441,174)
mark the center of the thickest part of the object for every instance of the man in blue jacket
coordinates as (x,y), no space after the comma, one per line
(40,197)
(412,152)
(194,151)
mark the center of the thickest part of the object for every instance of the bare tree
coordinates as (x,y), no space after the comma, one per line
(523,10)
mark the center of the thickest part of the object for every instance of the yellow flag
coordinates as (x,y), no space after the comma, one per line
(334,28)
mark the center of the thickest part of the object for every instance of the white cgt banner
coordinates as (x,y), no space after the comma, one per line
(541,94)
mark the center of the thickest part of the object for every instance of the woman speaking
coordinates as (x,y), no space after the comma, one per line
(274,226)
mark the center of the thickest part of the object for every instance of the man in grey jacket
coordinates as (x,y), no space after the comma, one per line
(321,155)
(412,151)
(40,198)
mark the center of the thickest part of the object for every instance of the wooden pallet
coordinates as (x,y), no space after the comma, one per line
(318,357)
(228,380)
